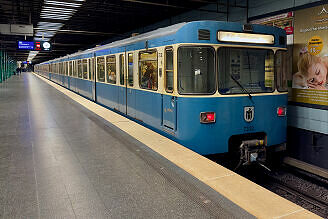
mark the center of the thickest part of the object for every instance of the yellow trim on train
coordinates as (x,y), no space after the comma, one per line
(161,65)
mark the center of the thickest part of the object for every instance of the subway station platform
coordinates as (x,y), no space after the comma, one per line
(59,159)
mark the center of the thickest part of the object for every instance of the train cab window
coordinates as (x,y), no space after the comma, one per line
(245,70)
(111,69)
(79,68)
(169,70)
(121,63)
(101,69)
(85,68)
(196,70)
(281,68)
(148,78)
(130,69)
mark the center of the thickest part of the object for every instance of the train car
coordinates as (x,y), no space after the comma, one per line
(214,87)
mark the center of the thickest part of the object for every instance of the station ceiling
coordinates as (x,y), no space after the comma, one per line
(93,22)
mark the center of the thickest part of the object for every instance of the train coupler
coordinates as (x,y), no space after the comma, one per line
(252,151)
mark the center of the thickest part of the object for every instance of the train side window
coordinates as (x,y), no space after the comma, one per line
(80,68)
(169,70)
(281,67)
(111,69)
(196,70)
(121,63)
(85,69)
(148,78)
(130,69)
(101,69)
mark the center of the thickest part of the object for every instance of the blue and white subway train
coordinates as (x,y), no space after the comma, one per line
(214,87)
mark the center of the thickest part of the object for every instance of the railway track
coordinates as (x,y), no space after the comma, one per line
(309,194)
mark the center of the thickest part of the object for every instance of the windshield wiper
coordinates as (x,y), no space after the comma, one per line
(241,86)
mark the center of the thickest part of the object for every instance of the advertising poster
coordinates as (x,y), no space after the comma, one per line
(283,21)
(310,56)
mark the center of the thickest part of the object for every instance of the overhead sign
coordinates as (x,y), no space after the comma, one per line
(37,45)
(26,45)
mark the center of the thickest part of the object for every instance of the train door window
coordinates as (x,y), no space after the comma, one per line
(196,70)
(281,68)
(75,68)
(169,70)
(70,69)
(62,68)
(121,64)
(85,68)
(130,69)
(92,68)
(101,69)
(148,70)
(111,69)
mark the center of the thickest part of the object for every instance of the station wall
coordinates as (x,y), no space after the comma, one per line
(308,105)
(258,8)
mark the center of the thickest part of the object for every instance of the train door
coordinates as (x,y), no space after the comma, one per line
(169,100)
(92,76)
(123,85)
(131,93)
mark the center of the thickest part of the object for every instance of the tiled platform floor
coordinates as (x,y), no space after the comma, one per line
(59,160)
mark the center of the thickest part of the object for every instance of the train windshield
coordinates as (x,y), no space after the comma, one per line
(245,70)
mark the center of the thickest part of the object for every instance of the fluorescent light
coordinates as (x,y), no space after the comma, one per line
(58,8)
(59,11)
(63,3)
(225,36)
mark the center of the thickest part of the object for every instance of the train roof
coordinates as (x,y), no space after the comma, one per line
(186,32)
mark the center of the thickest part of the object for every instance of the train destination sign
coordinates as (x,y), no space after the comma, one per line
(26,45)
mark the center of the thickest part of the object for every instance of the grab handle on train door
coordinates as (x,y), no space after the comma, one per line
(172,101)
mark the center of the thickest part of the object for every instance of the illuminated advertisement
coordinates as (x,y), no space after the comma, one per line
(310,56)
(283,21)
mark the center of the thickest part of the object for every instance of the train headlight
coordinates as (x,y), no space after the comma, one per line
(281,111)
(207,117)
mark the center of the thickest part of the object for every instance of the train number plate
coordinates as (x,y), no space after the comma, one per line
(248,128)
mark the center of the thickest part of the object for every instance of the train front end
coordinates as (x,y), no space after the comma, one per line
(233,95)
